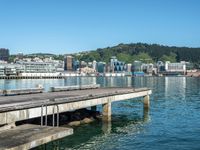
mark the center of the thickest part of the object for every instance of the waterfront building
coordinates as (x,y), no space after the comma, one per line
(101,67)
(160,67)
(113,59)
(37,67)
(4,54)
(147,68)
(175,68)
(108,68)
(94,65)
(68,63)
(137,69)
(10,70)
(83,64)
(76,65)
(128,67)
(116,66)
(2,71)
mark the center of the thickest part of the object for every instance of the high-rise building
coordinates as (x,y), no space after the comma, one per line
(68,63)
(4,54)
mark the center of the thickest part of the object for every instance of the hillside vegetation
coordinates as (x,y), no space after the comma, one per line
(145,52)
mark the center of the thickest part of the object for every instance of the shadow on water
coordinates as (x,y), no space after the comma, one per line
(98,134)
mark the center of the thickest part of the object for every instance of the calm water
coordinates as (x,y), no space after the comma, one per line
(173,121)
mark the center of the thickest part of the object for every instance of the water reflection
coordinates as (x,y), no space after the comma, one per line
(172,123)
(176,85)
(47,83)
(106,127)
(115,81)
(99,134)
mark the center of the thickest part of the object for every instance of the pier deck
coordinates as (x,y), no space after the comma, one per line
(30,136)
(22,107)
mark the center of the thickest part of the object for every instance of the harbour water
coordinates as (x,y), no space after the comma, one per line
(173,121)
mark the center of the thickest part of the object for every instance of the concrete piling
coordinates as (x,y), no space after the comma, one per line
(106,112)
(146,102)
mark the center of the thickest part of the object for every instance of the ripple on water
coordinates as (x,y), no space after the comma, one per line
(172,123)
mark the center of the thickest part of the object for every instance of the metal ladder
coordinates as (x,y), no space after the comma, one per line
(42,116)
(53,120)
(57,112)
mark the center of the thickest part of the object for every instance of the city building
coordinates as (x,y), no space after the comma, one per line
(68,63)
(101,67)
(76,65)
(37,67)
(137,69)
(128,67)
(175,68)
(116,66)
(160,67)
(4,54)
(2,71)
(94,65)
(83,64)
(148,68)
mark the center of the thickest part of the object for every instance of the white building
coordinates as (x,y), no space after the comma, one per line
(128,67)
(175,67)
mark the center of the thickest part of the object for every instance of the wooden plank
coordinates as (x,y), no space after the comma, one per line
(30,136)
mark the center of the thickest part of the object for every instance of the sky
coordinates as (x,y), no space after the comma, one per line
(70,26)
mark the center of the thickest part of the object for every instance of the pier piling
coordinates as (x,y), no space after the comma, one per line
(106,111)
(146,102)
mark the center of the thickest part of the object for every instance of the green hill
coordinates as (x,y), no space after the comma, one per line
(144,52)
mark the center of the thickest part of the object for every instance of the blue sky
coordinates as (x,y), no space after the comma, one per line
(68,26)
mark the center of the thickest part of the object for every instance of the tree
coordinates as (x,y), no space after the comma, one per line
(124,57)
(144,57)
(171,57)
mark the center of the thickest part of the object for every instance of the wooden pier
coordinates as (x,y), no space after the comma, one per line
(23,107)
